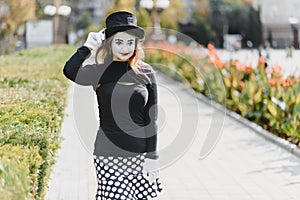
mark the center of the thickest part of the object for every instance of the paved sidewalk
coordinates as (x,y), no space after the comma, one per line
(243,165)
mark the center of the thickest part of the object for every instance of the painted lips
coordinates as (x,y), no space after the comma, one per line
(124,54)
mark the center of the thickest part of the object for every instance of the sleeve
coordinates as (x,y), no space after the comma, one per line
(74,70)
(151,113)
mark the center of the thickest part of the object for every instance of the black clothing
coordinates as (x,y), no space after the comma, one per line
(128,113)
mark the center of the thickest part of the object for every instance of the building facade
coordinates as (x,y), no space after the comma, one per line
(280,21)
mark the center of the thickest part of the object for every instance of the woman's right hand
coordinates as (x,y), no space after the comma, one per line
(94,39)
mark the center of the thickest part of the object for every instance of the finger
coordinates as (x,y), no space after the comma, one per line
(93,36)
(146,175)
(102,34)
(102,31)
(99,37)
(152,178)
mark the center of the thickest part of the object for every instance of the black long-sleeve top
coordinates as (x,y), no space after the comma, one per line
(128,113)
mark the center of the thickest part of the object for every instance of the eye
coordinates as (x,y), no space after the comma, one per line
(130,43)
(118,43)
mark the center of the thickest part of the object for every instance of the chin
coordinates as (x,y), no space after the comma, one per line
(124,59)
(121,60)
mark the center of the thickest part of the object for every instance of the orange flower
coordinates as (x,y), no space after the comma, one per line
(248,69)
(234,63)
(219,63)
(272,81)
(197,56)
(277,74)
(210,46)
(242,84)
(262,61)
(241,67)
(282,81)
(277,68)
(165,54)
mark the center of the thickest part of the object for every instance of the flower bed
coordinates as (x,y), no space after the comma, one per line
(261,95)
(33,95)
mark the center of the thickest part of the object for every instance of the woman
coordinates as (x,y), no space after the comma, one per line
(125,149)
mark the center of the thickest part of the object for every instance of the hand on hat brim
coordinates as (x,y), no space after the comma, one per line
(94,39)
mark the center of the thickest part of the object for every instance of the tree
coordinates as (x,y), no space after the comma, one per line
(202,8)
(218,20)
(235,17)
(19,12)
(254,32)
(40,5)
(169,18)
(238,17)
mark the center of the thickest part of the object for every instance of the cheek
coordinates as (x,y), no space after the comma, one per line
(115,48)
(131,47)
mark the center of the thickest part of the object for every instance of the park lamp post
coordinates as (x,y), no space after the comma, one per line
(56,11)
(293,21)
(154,8)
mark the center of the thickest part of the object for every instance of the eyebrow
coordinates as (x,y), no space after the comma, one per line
(120,40)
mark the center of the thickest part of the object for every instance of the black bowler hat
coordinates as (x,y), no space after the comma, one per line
(123,21)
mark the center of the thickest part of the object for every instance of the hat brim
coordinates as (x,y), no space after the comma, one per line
(133,30)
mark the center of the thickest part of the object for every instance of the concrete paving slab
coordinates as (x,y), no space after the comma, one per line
(242,165)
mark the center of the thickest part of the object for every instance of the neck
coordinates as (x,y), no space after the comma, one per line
(124,61)
(119,60)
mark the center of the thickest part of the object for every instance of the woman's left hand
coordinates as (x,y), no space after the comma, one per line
(151,169)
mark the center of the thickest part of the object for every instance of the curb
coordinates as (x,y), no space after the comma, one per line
(292,148)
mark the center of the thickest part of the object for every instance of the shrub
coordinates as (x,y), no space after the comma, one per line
(33,94)
(19,167)
(261,95)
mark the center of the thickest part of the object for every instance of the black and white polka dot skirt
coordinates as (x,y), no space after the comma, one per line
(122,178)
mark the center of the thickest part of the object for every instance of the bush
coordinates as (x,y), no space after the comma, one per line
(19,167)
(262,96)
(33,94)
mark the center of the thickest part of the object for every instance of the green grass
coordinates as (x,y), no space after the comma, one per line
(33,93)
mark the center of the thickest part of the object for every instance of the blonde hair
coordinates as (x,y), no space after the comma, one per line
(104,55)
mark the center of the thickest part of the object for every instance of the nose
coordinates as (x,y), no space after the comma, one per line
(125,48)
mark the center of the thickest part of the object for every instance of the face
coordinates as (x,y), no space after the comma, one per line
(123,46)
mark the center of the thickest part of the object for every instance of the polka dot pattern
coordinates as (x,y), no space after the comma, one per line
(122,178)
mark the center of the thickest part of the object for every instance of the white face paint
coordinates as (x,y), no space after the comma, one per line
(123,46)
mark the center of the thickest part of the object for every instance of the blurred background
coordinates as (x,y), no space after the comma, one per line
(229,24)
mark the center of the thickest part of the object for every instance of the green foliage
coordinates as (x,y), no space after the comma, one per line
(32,96)
(126,5)
(254,29)
(235,17)
(84,21)
(18,13)
(168,18)
(200,30)
(272,102)
(238,19)
(19,169)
